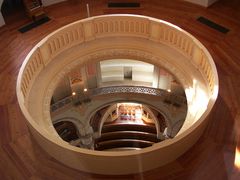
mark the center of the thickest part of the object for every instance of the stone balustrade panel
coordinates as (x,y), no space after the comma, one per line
(123,26)
(31,70)
(62,40)
(99,27)
(176,38)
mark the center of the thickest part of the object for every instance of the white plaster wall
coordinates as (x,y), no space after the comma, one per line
(199,2)
(63,90)
(204,3)
(50,2)
(2,22)
(210,2)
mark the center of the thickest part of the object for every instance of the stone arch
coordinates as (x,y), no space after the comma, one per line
(66,130)
(156,122)
(75,121)
(165,114)
(175,128)
(105,116)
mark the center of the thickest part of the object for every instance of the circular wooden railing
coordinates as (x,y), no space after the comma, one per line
(135,37)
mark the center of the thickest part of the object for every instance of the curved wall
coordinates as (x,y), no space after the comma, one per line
(117,36)
(50,2)
(204,3)
(2,22)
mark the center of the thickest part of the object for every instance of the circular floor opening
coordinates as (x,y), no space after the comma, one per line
(118,104)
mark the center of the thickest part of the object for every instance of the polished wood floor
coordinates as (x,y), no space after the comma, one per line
(213,155)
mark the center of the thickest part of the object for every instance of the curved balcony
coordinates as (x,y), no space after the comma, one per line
(135,37)
(172,106)
(166,97)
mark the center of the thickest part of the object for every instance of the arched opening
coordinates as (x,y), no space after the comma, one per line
(66,130)
(121,94)
(126,126)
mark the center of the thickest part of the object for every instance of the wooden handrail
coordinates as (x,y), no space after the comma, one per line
(128,135)
(130,127)
(122,143)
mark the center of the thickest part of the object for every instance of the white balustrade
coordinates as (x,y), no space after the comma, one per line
(105,27)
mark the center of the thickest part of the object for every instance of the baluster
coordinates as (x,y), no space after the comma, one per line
(164,33)
(28,74)
(80,32)
(142,28)
(75,35)
(71,37)
(23,86)
(105,27)
(111,27)
(126,26)
(53,46)
(33,64)
(50,48)
(26,77)
(58,43)
(179,40)
(191,49)
(121,26)
(187,47)
(132,30)
(116,26)
(100,27)
(66,38)
(171,37)
(167,35)
(183,44)
(62,40)
(95,26)
(174,38)
(30,69)
(137,28)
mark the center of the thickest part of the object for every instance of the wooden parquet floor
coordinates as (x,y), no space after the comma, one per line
(213,155)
